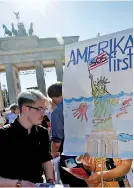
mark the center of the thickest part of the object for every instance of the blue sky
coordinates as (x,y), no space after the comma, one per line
(66,18)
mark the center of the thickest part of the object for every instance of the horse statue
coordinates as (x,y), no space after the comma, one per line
(7,32)
(14,31)
(30,31)
(20,32)
(21,29)
(24,30)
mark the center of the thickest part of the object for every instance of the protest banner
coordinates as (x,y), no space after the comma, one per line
(98,96)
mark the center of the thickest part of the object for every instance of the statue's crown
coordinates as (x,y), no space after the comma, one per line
(102,80)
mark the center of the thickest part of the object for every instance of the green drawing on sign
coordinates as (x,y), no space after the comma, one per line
(103,103)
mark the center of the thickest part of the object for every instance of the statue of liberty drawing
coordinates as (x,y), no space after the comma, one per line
(103,103)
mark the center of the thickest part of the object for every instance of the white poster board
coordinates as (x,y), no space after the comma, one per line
(97,90)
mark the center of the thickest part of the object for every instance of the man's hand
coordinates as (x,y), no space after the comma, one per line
(5,182)
(87,161)
(94,180)
(28,184)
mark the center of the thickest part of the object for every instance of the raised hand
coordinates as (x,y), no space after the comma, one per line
(87,161)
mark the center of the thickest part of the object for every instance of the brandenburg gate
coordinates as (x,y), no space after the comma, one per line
(30,52)
(21,51)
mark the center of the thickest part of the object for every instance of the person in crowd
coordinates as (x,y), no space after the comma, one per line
(47,117)
(2,119)
(46,122)
(3,112)
(113,171)
(14,112)
(57,120)
(25,145)
(57,125)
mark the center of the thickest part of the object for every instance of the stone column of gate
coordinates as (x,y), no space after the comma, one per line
(40,77)
(59,69)
(13,82)
(1,99)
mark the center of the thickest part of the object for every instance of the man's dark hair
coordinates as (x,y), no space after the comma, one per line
(55,90)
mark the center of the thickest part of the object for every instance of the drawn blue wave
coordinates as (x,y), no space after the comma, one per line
(124,137)
(79,99)
(89,99)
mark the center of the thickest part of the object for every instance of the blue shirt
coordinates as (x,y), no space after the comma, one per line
(57,124)
(11,117)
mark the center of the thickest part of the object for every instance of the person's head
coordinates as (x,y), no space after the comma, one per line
(55,93)
(32,105)
(14,108)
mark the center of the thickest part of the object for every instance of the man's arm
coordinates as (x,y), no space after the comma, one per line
(55,149)
(45,154)
(5,182)
(49,171)
(57,124)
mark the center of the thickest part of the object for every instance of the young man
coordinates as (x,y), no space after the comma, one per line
(57,125)
(25,146)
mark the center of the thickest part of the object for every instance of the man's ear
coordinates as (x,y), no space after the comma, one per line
(25,108)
